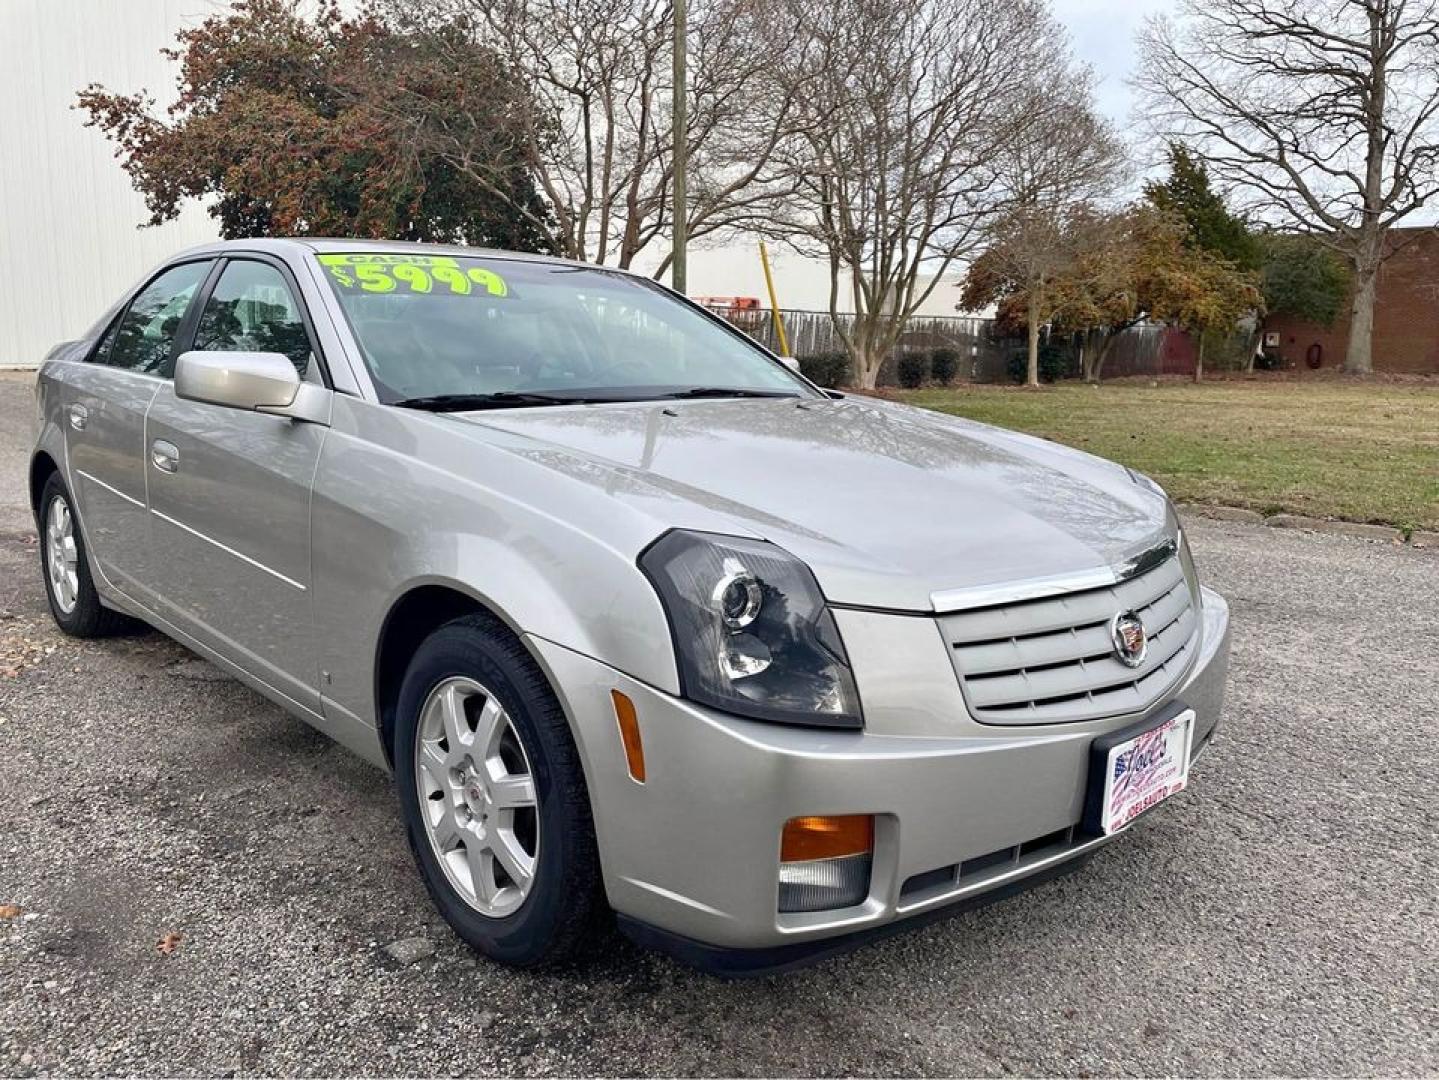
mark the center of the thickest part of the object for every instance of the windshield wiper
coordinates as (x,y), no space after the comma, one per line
(727,392)
(503,399)
(518,399)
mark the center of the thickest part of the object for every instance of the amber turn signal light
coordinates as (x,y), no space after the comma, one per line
(630,735)
(808,838)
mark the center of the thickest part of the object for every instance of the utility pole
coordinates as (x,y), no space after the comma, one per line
(681,149)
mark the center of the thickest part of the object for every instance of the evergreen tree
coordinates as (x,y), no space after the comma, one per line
(1187,194)
(1303,278)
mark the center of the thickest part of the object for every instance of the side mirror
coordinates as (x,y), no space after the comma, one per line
(238,380)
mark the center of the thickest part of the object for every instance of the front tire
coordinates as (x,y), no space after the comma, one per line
(494,799)
(65,567)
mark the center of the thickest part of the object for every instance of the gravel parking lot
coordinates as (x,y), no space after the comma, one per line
(1281,917)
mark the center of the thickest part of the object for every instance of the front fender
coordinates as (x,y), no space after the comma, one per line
(386,520)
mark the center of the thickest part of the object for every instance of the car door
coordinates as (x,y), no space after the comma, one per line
(104,406)
(230,491)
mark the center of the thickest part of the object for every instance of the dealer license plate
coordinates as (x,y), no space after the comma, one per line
(1141,772)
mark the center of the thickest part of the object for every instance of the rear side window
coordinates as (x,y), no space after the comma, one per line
(251,309)
(142,338)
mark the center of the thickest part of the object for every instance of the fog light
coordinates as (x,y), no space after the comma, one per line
(824,884)
(825,862)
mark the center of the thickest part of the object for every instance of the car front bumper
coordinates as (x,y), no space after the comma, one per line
(963,811)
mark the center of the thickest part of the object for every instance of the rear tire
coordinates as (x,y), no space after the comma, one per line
(494,798)
(65,568)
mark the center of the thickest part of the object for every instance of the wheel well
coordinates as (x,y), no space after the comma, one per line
(41,466)
(414,617)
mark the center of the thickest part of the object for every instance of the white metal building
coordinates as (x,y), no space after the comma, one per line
(68,215)
(70,223)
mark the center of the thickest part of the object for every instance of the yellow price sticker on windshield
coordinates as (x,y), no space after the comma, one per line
(376,273)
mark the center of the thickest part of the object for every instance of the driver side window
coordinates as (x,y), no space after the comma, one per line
(251,309)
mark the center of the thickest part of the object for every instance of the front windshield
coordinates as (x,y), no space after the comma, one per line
(432,326)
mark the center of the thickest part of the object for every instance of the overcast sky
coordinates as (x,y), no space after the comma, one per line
(1103,34)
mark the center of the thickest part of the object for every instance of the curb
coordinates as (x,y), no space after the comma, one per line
(1385,534)
(1336,528)
(1222,513)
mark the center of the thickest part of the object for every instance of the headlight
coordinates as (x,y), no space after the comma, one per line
(1186,560)
(751,630)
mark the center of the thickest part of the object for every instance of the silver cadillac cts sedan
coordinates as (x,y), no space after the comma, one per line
(641,621)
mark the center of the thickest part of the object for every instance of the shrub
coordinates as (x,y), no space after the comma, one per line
(911,370)
(1052,364)
(944,365)
(827,369)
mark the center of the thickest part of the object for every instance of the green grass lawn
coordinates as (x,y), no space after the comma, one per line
(1357,451)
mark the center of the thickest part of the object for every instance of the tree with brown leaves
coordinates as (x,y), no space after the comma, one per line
(1136,267)
(283,123)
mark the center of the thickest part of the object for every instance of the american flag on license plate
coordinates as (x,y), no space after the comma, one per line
(1132,766)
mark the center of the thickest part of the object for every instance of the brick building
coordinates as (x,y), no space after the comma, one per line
(1406,315)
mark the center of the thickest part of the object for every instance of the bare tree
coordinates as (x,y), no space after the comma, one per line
(1324,111)
(599,139)
(1067,161)
(903,107)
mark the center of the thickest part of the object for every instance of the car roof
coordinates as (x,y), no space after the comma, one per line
(307,245)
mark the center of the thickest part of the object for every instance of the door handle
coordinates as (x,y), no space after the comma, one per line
(78,416)
(165,456)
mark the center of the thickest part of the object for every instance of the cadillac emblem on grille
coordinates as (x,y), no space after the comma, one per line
(1131,644)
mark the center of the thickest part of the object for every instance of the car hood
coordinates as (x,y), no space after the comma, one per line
(888,504)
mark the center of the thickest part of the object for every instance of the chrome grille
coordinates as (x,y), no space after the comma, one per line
(1051,660)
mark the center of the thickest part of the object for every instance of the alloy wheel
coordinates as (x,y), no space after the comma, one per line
(62,559)
(477,796)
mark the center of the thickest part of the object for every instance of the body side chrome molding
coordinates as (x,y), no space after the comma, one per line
(112,490)
(1013,592)
(229,550)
